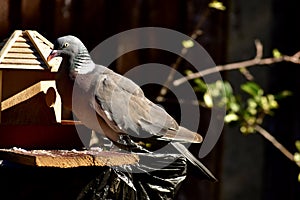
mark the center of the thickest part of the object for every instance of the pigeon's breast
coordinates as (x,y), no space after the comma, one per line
(64,87)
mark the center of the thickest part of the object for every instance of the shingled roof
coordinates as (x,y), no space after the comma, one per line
(26,50)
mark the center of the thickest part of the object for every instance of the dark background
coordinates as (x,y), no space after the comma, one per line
(248,167)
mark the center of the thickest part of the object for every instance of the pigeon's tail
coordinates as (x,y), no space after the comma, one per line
(183,135)
(192,159)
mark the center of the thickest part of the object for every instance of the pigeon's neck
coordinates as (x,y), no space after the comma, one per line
(82,63)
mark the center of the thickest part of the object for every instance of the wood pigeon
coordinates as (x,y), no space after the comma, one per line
(112,104)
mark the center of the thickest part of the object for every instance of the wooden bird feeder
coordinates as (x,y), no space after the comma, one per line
(24,73)
(31,110)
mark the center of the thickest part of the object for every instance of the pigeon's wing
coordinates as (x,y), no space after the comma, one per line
(122,104)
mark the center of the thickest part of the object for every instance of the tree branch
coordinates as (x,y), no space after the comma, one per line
(258,60)
(278,145)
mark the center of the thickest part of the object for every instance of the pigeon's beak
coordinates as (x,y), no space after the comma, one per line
(53,54)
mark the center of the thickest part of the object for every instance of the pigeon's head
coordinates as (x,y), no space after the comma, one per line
(67,46)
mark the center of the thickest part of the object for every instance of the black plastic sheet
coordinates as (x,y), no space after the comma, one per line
(152,178)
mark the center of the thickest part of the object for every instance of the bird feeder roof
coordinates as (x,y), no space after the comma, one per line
(27,50)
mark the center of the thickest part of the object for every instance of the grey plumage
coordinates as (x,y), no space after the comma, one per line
(99,96)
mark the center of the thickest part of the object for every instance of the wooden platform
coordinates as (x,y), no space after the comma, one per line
(67,158)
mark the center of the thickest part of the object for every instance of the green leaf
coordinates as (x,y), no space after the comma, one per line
(276,53)
(272,102)
(265,104)
(283,94)
(243,129)
(252,111)
(228,89)
(231,117)
(235,107)
(208,100)
(217,5)
(202,87)
(297,144)
(251,120)
(188,72)
(187,44)
(252,103)
(247,129)
(297,157)
(252,88)
(148,145)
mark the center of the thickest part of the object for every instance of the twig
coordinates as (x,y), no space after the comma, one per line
(258,60)
(259,49)
(259,54)
(174,66)
(277,144)
(196,33)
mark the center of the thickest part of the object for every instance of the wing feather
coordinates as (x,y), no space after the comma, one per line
(124,107)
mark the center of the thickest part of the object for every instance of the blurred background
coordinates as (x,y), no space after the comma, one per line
(248,167)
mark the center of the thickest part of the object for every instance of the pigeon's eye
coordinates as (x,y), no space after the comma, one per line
(65,45)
